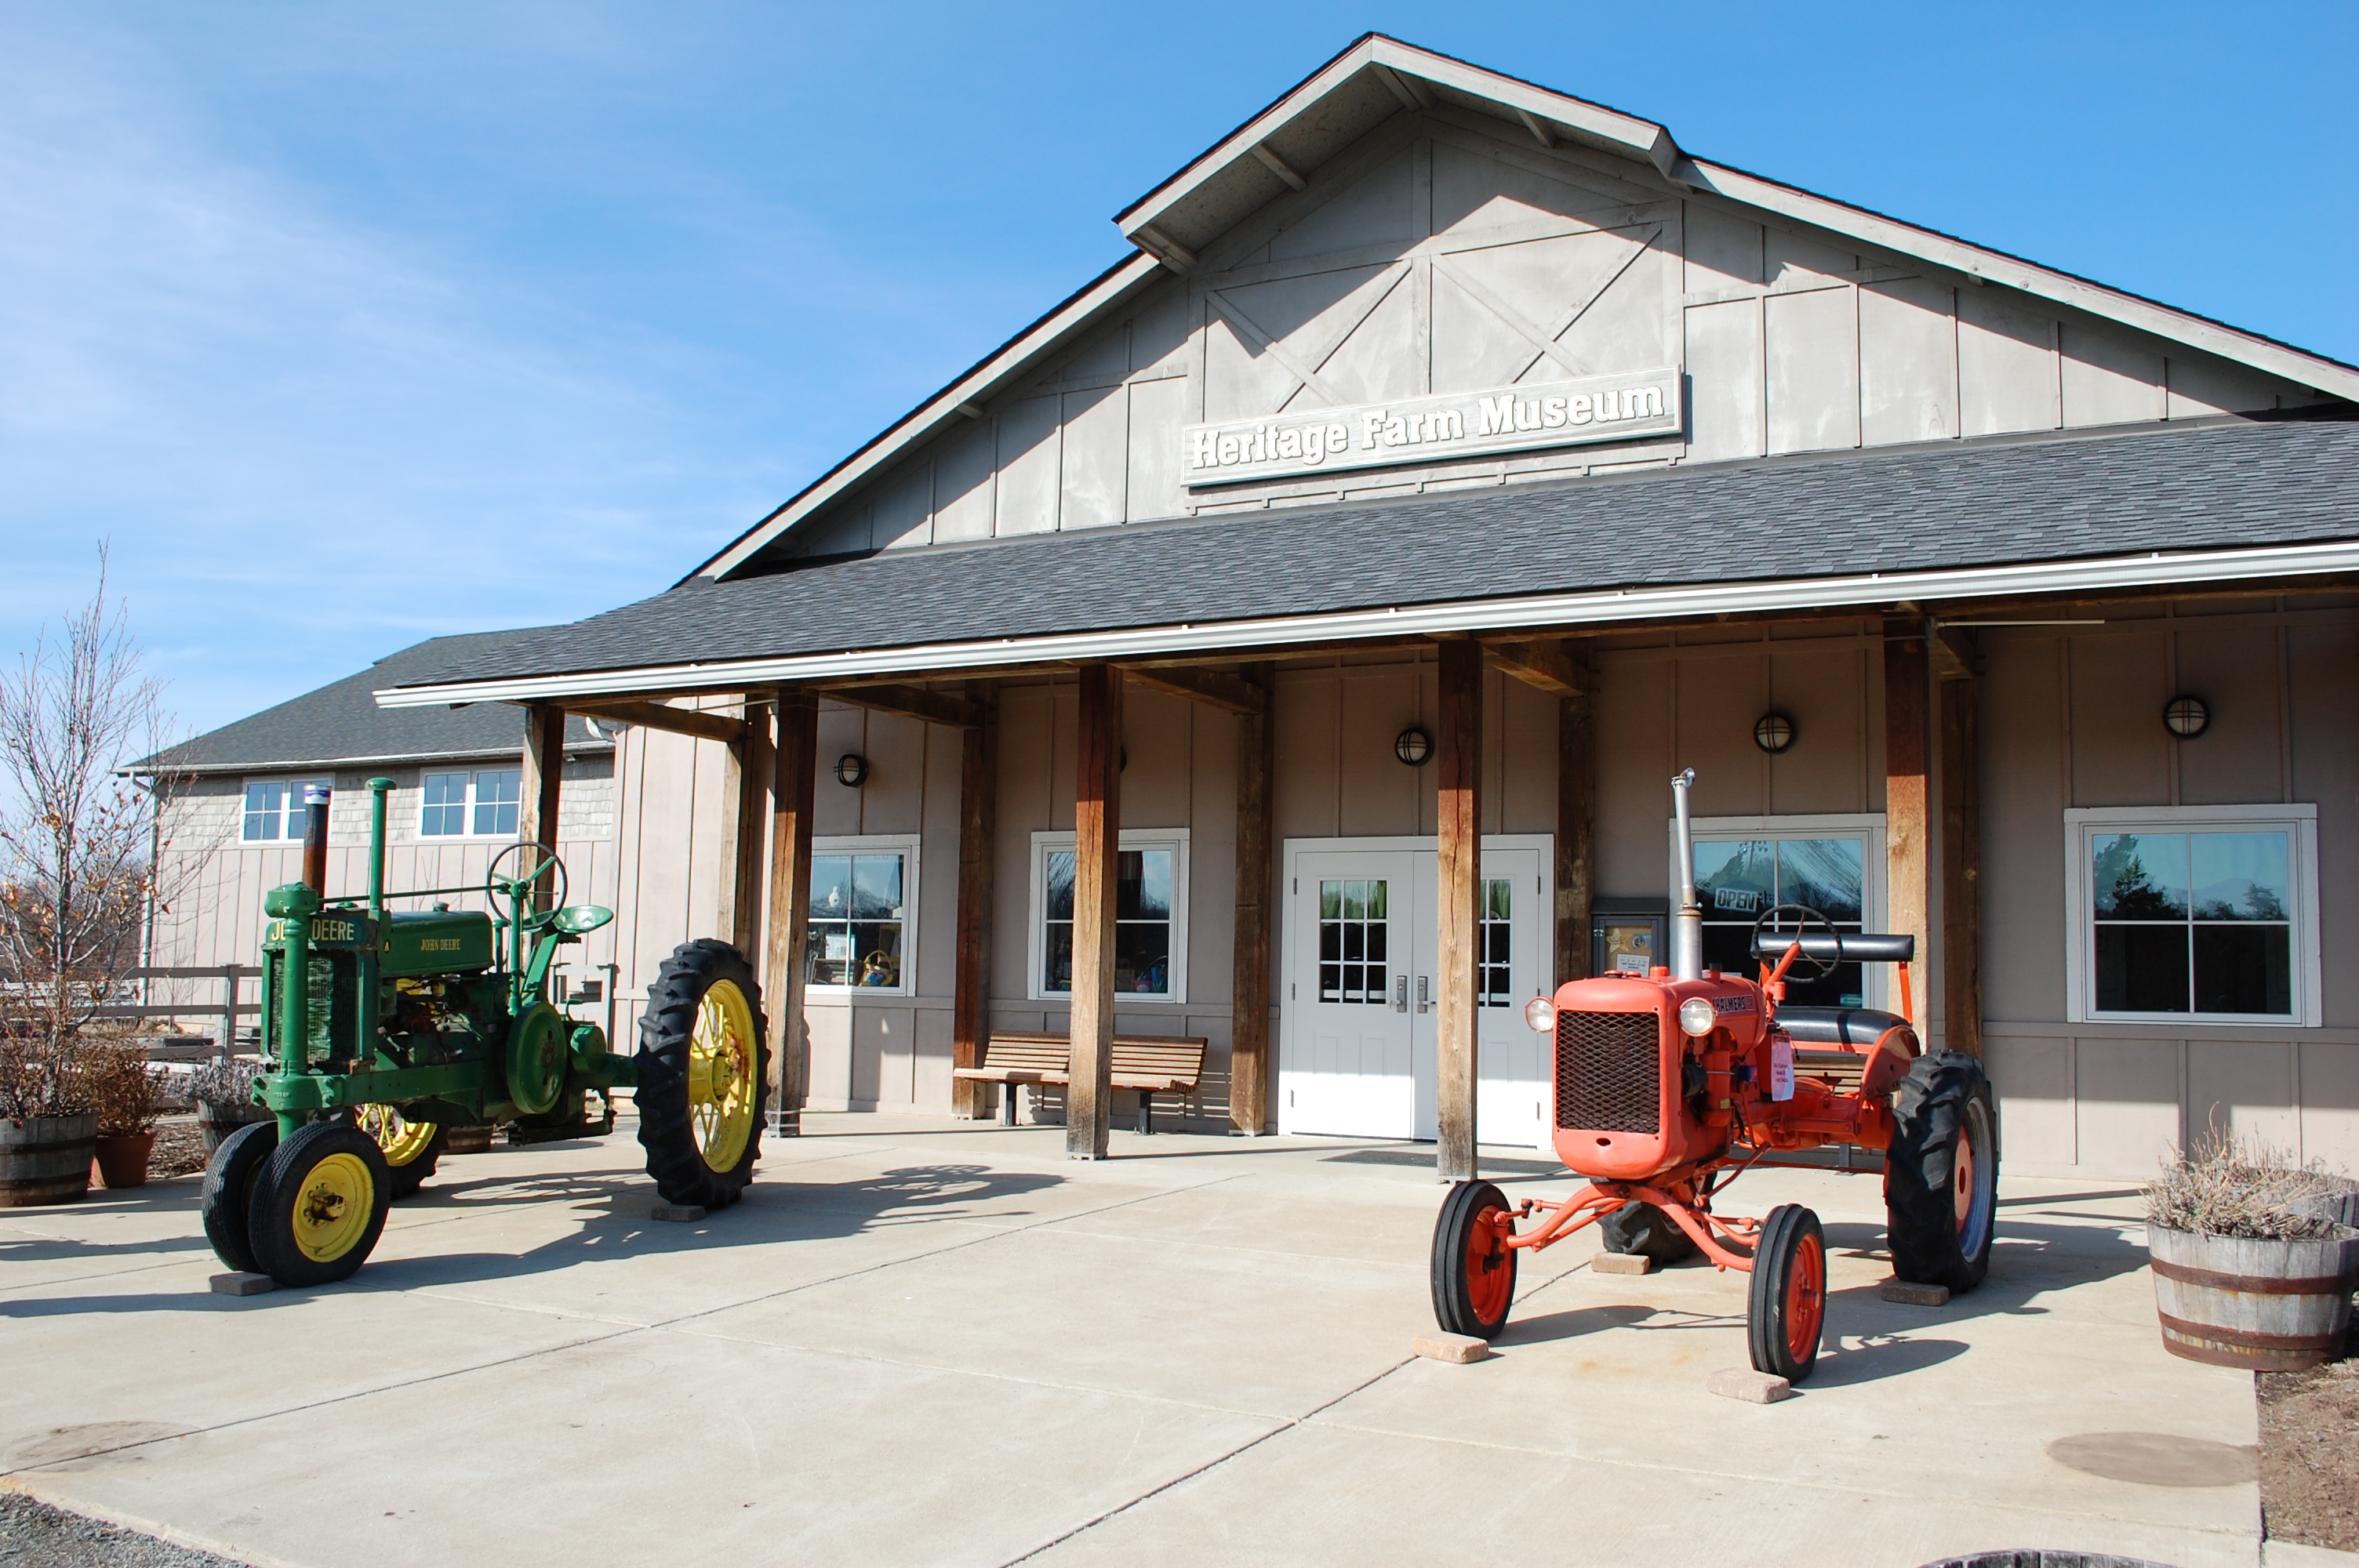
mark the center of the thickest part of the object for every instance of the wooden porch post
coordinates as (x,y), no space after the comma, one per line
(1249,987)
(1097,847)
(536,793)
(745,784)
(788,918)
(971,984)
(1459,822)
(1576,855)
(1907,825)
(1961,858)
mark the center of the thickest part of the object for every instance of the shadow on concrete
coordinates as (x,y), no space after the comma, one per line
(1869,1357)
(774,1212)
(1574,1322)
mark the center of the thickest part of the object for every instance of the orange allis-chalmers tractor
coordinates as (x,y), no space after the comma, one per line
(1671,1085)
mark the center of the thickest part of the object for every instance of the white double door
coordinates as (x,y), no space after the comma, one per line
(1356,1056)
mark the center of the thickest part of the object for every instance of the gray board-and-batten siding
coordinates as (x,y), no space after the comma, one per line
(2285,482)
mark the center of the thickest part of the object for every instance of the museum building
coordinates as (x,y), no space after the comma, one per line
(1288,641)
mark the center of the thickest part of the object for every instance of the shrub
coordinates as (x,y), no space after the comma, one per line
(225,1080)
(2224,1186)
(126,1093)
(37,1081)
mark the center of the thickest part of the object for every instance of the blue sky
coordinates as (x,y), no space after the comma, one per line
(353,324)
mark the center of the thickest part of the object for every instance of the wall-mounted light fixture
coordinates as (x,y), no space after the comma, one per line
(1774,732)
(1413,746)
(2186,716)
(851,770)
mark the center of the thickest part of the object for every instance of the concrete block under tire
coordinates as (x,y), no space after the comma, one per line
(1744,1383)
(1457,1349)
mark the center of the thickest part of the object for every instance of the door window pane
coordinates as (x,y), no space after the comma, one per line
(1497,945)
(1353,965)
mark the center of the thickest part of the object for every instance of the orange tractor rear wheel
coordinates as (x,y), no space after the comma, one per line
(1474,1268)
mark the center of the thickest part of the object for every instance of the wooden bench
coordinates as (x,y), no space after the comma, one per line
(1149,1063)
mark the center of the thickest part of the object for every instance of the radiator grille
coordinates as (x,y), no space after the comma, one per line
(1608,1071)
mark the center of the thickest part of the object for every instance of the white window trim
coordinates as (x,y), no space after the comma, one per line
(1036,920)
(295,786)
(467,809)
(2082,824)
(1868,827)
(907,846)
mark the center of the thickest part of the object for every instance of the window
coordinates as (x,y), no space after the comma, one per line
(1150,915)
(864,894)
(1833,865)
(1499,943)
(1352,925)
(482,805)
(2203,913)
(274,810)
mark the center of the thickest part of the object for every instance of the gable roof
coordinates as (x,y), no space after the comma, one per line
(340,725)
(2156,505)
(1376,77)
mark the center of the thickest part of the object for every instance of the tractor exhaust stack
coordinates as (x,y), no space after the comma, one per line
(1687,924)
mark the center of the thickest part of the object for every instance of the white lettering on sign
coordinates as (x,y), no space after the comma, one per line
(1431,429)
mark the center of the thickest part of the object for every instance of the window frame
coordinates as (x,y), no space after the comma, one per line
(466,808)
(295,787)
(1875,871)
(2297,821)
(907,846)
(1036,923)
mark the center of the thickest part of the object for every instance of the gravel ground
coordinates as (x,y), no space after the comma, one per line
(34,1535)
(2310,1456)
(179,1149)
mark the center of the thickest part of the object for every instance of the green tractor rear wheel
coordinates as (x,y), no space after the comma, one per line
(412,1149)
(228,1192)
(703,1066)
(319,1205)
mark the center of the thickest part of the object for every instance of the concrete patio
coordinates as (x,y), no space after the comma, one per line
(927,1341)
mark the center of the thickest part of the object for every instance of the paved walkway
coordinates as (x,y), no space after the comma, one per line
(926,1342)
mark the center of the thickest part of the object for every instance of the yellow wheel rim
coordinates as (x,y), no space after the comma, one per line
(331,1213)
(401,1139)
(721,1088)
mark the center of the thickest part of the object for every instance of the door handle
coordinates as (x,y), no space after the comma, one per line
(1424,1002)
(1400,993)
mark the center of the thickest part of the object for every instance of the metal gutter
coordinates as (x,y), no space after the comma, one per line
(1599,607)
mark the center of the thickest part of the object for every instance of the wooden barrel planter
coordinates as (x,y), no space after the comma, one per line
(2264,1307)
(217,1123)
(46,1160)
(468,1140)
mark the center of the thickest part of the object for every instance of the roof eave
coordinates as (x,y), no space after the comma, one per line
(150,767)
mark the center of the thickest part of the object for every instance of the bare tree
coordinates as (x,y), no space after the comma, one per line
(77,835)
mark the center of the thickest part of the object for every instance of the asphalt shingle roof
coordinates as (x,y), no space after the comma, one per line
(2174,488)
(343,723)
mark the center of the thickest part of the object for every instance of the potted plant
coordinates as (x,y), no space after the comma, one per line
(126,1097)
(2253,1263)
(47,1130)
(223,1089)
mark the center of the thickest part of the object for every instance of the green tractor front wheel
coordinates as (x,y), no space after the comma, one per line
(230,1177)
(703,1067)
(319,1205)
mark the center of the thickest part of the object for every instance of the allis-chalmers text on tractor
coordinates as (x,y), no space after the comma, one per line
(387,1030)
(1671,1085)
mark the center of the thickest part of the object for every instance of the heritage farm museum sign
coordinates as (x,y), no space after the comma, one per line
(1425,429)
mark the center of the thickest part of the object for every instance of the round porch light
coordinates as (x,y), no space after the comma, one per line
(851,770)
(2187,717)
(1774,732)
(1413,746)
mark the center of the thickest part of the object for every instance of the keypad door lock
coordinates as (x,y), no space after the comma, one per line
(1400,993)
(1424,1002)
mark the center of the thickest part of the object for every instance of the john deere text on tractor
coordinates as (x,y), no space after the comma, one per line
(385,1030)
(1672,1084)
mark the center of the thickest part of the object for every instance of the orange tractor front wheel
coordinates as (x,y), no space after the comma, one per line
(1473,1267)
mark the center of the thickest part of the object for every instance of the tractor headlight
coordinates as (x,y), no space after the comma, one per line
(1541,1013)
(1697,1015)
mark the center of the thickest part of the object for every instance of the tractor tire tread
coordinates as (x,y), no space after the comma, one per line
(287,1161)
(1453,1308)
(667,1029)
(1928,1118)
(228,1187)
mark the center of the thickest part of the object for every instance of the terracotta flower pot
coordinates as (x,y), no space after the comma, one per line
(123,1159)
(46,1160)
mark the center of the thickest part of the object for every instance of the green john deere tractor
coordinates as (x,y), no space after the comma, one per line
(387,1030)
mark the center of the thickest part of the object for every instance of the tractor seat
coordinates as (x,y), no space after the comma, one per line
(1855,1028)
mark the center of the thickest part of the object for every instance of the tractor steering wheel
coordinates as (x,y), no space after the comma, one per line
(515,887)
(1820,967)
